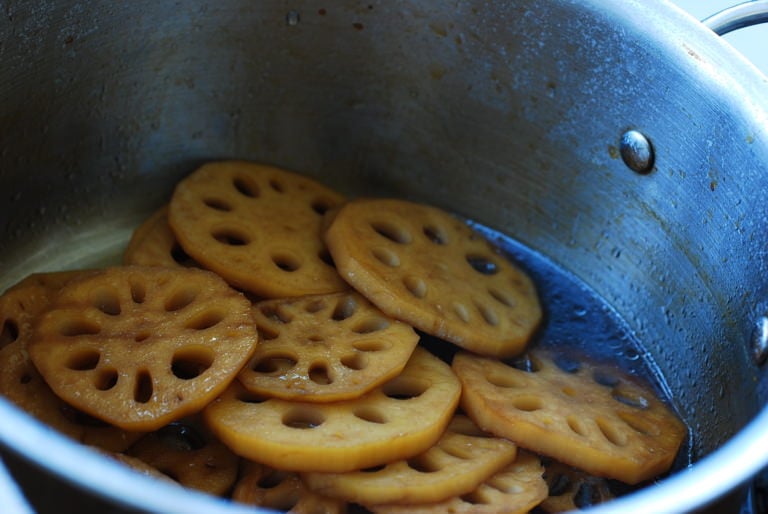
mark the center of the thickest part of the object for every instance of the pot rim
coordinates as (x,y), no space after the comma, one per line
(726,468)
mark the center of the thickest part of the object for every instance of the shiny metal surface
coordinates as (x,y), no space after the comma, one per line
(509,113)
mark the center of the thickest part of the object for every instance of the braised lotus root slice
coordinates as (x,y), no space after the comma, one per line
(190,456)
(571,489)
(516,489)
(139,347)
(325,348)
(397,420)
(258,227)
(600,421)
(282,490)
(153,243)
(462,459)
(21,383)
(421,265)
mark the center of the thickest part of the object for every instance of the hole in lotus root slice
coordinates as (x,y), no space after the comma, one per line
(319,374)
(140,337)
(386,256)
(504,380)
(181,257)
(354,361)
(286,262)
(189,362)
(274,364)
(276,186)
(605,378)
(181,436)
(345,308)
(316,305)
(205,320)
(630,398)
(247,397)
(105,379)
(326,258)
(107,301)
(138,292)
(405,388)
(371,415)
(217,204)
(372,345)
(526,363)
(143,387)
(370,325)
(566,363)
(303,418)
(74,326)
(392,231)
(436,234)
(9,333)
(84,359)
(639,424)
(246,186)
(489,315)
(528,403)
(422,464)
(612,432)
(576,425)
(180,299)
(483,264)
(322,205)
(230,237)
(275,312)
(462,311)
(416,286)
(504,297)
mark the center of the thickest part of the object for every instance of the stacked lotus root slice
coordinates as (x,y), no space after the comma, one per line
(261,342)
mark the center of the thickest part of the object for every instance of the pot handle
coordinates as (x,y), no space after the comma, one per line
(738,17)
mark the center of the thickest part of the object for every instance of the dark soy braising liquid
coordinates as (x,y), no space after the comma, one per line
(579,325)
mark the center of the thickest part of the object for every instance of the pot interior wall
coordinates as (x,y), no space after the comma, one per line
(509,113)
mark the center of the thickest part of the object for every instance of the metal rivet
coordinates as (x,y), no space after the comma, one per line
(636,151)
(292,18)
(759,341)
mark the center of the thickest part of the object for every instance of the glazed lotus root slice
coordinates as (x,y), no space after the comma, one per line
(325,348)
(153,243)
(139,347)
(190,456)
(258,227)
(397,420)
(599,421)
(282,490)
(421,265)
(461,460)
(516,489)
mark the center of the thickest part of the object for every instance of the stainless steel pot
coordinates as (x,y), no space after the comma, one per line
(623,140)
